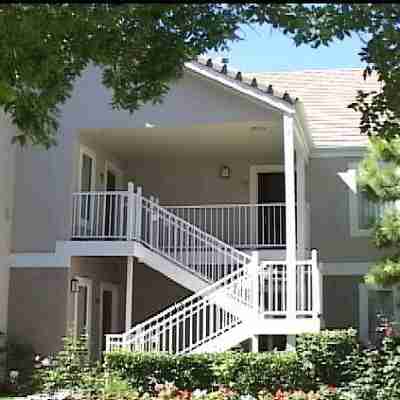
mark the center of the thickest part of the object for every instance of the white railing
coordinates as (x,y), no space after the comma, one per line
(187,245)
(274,295)
(99,215)
(273,289)
(131,216)
(194,321)
(261,291)
(241,225)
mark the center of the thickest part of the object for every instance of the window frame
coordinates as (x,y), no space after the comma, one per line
(355,230)
(84,150)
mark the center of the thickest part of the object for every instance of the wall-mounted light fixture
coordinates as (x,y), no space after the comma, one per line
(74,285)
(225,172)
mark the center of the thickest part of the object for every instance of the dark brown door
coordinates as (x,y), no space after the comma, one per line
(107,315)
(271,220)
(110,222)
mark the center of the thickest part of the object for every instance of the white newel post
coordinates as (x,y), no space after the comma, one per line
(255,268)
(138,213)
(255,344)
(157,224)
(288,140)
(301,206)
(130,212)
(129,293)
(151,221)
(316,284)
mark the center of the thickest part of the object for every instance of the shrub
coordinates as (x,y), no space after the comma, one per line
(326,356)
(252,372)
(144,370)
(244,372)
(71,368)
(377,374)
(20,359)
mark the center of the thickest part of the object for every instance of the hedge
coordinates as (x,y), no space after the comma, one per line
(320,358)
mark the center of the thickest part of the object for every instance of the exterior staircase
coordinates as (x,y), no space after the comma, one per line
(235,296)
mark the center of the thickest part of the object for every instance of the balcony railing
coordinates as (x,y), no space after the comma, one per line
(105,215)
(240,225)
(100,215)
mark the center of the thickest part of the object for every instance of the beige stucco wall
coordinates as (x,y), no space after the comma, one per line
(46,179)
(38,306)
(153,292)
(7,175)
(98,269)
(193,182)
(330,217)
(102,158)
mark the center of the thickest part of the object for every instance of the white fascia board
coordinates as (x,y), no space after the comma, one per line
(302,137)
(95,248)
(264,98)
(351,151)
(40,260)
(302,129)
(345,268)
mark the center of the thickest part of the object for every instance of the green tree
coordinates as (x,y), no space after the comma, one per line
(378,26)
(141,48)
(379,177)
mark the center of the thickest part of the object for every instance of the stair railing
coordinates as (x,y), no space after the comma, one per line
(184,326)
(184,243)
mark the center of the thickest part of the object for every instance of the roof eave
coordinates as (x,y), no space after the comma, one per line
(263,98)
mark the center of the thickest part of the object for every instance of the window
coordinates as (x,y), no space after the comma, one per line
(376,306)
(363,212)
(87,170)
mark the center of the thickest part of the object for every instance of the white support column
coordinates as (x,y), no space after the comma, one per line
(288,140)
(301,205)
(291,342)
(316,285)
(256,287)
(130,212)
(138,213)
(129,294)
(255,344)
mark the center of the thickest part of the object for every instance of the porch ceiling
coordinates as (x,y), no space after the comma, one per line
(226,141)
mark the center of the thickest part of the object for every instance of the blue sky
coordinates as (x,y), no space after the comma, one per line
(266,49)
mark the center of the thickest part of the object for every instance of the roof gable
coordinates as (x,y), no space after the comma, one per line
(242,84)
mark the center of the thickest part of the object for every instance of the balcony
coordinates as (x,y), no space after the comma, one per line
(106,216)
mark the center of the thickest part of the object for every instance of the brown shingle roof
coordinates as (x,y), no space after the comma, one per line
(325,95)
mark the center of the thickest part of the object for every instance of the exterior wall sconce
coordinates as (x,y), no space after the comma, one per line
(225,172)
(74,285)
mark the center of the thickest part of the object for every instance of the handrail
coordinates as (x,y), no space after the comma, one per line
(195,228)
(245,226)
(226,205)
(200,294)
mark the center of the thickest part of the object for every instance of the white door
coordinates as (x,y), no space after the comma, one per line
(109,312)
(83,307)
(87,183)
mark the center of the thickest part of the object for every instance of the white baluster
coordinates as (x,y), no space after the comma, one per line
(131,214)
(138,213)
